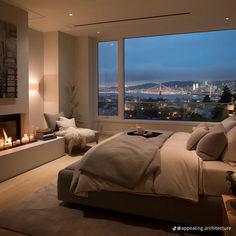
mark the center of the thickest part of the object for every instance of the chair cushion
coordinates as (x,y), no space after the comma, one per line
(51,120)
(65,123)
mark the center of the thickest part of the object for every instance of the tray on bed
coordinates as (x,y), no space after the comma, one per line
(146,134)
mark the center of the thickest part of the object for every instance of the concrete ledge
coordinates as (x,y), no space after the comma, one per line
(23,158)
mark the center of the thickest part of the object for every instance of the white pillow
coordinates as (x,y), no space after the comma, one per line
(64,118)
(65,123)
(230,151)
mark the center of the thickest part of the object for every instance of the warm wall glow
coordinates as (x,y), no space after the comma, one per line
(33,85)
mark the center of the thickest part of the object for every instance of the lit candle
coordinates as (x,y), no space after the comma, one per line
(31,138)
(1,144)
(18,141)
(25,139)
(14,143)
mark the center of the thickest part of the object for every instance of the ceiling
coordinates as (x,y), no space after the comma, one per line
(53,15)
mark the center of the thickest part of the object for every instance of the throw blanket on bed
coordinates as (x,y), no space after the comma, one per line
(124,160)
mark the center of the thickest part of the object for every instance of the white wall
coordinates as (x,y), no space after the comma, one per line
(66,71)
(51,73)
(36,72)
(52,64)
(21,103)
(84,73)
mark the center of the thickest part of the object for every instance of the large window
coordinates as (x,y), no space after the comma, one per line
(180,77)
(108,78)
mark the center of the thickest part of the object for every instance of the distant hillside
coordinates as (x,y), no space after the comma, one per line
(156,85)
(142,86)
(181,84)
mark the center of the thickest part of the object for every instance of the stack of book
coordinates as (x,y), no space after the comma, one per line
(45,134)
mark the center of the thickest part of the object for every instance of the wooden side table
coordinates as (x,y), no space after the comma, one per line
(229,214)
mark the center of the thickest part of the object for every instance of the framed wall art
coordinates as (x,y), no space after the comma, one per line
(8,60)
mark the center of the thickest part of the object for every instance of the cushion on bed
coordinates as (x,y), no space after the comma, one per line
(196,136)
(229,123)
(230,151)
(51,120)
(212,145)
(65,123)
(202,124)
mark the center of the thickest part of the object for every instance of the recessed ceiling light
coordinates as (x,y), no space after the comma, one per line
(227,18)
(70,14)
(98,32)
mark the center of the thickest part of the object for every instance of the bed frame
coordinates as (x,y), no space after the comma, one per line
(207,212)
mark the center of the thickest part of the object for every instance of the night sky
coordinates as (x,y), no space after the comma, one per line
(206,56)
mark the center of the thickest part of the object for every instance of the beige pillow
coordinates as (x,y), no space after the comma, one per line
(202,124)
(51,120)
(212,145)
(230,151)
(229,123)
(196,136)
(217,128)
(65,123)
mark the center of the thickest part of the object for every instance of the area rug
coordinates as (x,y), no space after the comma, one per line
(42,214)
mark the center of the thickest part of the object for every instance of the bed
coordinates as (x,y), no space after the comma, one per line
(168,198)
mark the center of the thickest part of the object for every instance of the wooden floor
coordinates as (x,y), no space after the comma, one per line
(21,186)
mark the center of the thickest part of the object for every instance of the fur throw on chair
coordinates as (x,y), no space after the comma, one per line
(75,137)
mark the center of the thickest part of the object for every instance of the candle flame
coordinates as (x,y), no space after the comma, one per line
(7,140)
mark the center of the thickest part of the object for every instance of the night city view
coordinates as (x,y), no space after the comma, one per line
(188,77)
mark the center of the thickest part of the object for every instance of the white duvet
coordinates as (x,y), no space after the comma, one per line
(181,170)
(180,174)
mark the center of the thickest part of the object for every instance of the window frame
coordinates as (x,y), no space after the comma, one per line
(119,82)
(121,85)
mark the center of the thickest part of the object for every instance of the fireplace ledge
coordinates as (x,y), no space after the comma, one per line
(20,159)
